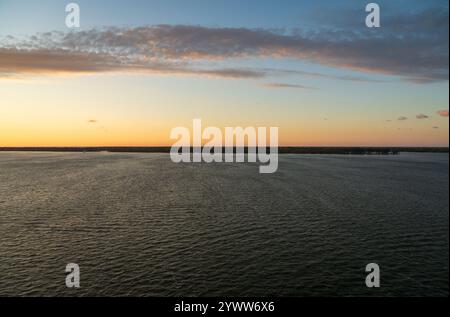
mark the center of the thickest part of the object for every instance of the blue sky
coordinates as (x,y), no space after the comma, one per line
(310,67)
(25,16)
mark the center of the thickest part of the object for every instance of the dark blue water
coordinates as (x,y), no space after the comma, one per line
(140,225)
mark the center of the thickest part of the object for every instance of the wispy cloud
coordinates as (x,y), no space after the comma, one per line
(283,85)
(420,56)
(402,118)
(61,61)
(443,113)
(322,75)
(422,116)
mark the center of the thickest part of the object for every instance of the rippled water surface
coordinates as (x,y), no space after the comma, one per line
(140,225)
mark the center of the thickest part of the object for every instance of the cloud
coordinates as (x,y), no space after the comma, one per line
(416,54)
(283,85)
(321,75)
(443,113)
(61,61)
(92,121)
(422,116)
(402,118)
(38,61)
(436,128)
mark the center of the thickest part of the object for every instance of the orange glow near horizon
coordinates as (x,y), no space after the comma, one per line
(140,111)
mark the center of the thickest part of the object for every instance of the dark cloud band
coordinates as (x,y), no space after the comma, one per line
(420,56)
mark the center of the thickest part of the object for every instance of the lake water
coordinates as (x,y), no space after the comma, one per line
(140,225)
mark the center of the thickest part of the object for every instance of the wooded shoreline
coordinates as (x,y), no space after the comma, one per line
(282,150)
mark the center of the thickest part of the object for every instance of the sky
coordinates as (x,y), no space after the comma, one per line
(136,69)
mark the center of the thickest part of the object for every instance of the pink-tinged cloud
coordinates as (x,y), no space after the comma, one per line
(288,86)
(59,61)
(443,113)
(422,116)
(195,50)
